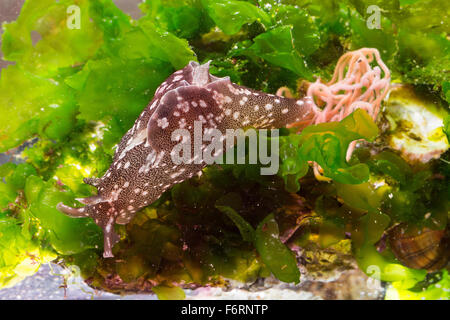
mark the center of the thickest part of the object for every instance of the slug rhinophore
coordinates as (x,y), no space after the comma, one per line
(143,169)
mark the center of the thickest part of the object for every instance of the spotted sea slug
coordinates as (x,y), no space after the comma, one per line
(143,169)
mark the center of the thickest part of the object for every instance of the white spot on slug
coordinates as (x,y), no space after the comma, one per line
(163,123)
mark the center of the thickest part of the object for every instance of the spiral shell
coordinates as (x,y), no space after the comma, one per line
(419,248)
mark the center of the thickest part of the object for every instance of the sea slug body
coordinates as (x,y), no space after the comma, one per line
(142,168)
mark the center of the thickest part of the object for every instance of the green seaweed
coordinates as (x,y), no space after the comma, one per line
(79,90)
(278,258)
(327,145)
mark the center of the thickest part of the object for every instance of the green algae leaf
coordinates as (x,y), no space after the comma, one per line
(169,293)
(305,33)
(121,84)
(231,15)
(246,230)
(387,6)
(446,90)
(361,196)
(29,102)
(166,46)
(447,127)
(118,88)
(7,195)
(277,47)
(293,167)
(20,255)
(7,169)
(381,38)
(438,289)
(21,172)
(327,144)
(59,45)
(424,58)
(66,235)
(426,15)
(110,20)
(144,38)
(277,257)
(391,164)
(184,18)
(374,224)
(383,268)
(57,124)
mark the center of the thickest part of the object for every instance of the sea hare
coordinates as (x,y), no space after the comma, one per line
(143,169)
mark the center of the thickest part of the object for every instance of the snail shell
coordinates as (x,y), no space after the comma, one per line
(419,248)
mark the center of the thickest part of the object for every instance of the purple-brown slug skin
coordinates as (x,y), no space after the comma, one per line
(142,168)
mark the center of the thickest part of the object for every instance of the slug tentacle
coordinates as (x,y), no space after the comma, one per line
(90,200)
(143,168)
(92,181)
(72,212)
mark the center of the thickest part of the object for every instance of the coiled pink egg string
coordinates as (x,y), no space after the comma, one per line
(354,85)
